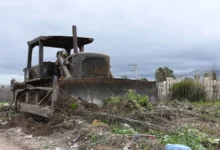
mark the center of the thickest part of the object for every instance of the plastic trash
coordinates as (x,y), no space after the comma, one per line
(176,147)
(6,104)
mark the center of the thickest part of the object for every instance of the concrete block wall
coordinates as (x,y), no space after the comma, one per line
(212,87)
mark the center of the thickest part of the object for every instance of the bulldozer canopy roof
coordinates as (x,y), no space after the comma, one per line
(65,42)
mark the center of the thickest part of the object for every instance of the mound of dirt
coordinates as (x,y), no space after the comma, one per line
(30,126)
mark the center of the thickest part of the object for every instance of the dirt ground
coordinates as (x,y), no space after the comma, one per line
(7,145)
(103,128)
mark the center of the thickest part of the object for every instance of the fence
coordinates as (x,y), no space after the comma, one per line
(208,79)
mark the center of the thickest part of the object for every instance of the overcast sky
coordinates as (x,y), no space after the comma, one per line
(183,35)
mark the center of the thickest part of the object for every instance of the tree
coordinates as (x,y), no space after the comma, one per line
(214,75)
(124,77)
(162,73)
(144,79)
(206,74)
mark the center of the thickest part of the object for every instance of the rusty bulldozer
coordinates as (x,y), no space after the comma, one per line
(81,74)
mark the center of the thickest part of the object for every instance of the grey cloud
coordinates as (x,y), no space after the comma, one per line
(183,35)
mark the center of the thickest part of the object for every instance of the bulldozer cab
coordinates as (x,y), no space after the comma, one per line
(79,64)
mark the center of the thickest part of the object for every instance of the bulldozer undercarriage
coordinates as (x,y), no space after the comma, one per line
(35,100)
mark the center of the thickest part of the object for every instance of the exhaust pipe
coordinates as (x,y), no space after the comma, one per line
(75,43)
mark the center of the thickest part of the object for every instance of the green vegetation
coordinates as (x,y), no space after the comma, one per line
(197,77)
(209,110)
(46,146)
(190,137)
(74,105)
(206,74)
(113,100)
(162,73)
(124,77)
(123,130)
(188,89)
(212,74)
(95,138)
(201,103)
(144,79)
(2,103)
(144,146)
(43,146)
(137,99)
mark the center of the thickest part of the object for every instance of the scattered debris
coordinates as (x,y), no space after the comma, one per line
(6,105)
(28,136)
(91,128)
(177,147)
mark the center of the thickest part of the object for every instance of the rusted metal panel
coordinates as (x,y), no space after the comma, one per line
(17,85)
(44,98)
(65,42)
(37,110)
(39,88)
(97,90)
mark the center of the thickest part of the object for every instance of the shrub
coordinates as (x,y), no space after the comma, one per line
(112,100)
(139,100)
(188,89)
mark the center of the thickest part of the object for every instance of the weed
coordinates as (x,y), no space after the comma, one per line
(141,101)
(155,132)
(95,139)
(113,100)
(74,105)
(122,130)
(44,146)
(144,146)
(201,103)
(190,137)
(210,110)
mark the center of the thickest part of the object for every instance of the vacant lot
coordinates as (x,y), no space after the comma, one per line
(120,125)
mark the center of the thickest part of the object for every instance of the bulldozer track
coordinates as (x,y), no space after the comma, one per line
(35,96)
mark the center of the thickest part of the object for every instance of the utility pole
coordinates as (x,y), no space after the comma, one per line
(166,82)
(135,69)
